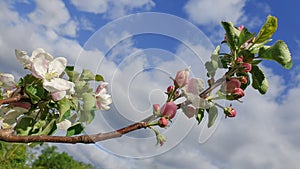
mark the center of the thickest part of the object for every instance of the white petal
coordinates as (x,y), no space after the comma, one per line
(8,80)
(58,84)
(40,66)
(58,95)
(64,125)
(41,52)
(23,58)
(58,65)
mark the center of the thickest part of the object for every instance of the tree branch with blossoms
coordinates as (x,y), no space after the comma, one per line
(54,96)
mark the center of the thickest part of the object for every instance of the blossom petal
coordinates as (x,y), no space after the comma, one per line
(64,125)
(58,95)
(23,58)
(8,80)
(58,84)
(58,65)
(40,66)
(41,52)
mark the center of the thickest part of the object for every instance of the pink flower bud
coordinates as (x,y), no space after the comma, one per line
(240,59)
(170,89)
(156,107)
(169,110)
(230,112)
(247,67)
(182,78)
(244,80)
(241,27)
(163,122)
(232,84)
(238,93)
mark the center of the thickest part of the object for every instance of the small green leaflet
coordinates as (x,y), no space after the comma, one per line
(212,116)
(77,128)
(267,29)
(259,81)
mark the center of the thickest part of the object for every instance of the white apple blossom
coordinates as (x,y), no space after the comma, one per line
(43,66)
(193,101)
(102,98)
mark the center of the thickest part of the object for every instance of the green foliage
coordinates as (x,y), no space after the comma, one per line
(212,116)
(232,35)
(259,81)
(267,30)
(200,115)
(50,158)
(15,156)
(75,129)
(279,52)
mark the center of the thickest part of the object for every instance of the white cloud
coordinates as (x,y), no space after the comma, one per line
(53,15)
(212,12)
(112,8)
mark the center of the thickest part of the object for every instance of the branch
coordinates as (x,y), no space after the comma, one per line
(8,135)
(13,99)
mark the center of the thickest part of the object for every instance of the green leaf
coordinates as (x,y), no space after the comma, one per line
(72,74)
(89,101)
(279,52)
(82,87)
(259,81)
(77,128)
(267,29)
(24,126)
(64,107)
(38,127)
(87,75)
(88,112)
(245,35)
(232,35)
(99,78)
(50,128)
(212,116)
(200,115)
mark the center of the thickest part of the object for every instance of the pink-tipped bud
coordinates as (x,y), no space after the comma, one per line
(169,110)
(247,67)
(238,93)
(244,80)
(156,108)
(170,89)
(163,122)
(241,27)
(230,112)
(182,78)
(232,84)
(240,59)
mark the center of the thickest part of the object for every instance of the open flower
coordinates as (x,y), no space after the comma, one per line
(44,67)
(7,81)
(103,99)
(191,91)
(182,78)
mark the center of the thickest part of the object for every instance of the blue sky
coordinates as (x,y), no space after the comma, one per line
(265,133)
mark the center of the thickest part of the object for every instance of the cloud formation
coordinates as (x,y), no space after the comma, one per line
(207,12)
(112,8)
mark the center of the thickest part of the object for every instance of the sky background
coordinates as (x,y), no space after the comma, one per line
(265,133)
